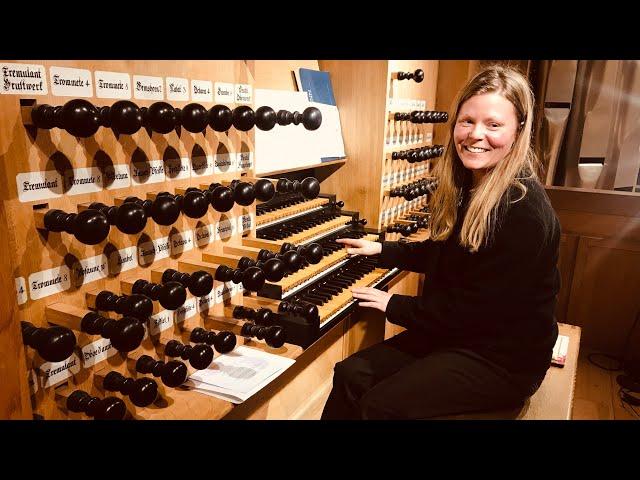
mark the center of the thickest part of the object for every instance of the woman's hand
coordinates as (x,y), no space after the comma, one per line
(372,297)
(361,247)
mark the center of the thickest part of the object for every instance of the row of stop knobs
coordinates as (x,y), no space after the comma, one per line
(405,229)
(414,155)
(414,189)
(81,118)
(92,226)
(421,116)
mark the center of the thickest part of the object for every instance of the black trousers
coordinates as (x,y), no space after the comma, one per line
(407,377)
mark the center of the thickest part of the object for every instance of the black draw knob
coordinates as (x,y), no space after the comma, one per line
(221,197)
(244,193)
(125,334)
(274,336)
(195,117)
(311,118)
(89,226)
(266,118)
(165,210)
(79,117)
(220,118)
(172,373)
(264,189)
(109,408)
(141,391)
(54,344)
(161,117)
(199,356)
(310,188)
(244,118)
(125,117)
(195,204)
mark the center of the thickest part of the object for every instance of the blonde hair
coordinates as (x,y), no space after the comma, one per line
(488,202)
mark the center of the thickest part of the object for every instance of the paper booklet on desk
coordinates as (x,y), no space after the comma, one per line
(237,375)
(317,85)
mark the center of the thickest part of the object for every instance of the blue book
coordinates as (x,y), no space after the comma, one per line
(317,84)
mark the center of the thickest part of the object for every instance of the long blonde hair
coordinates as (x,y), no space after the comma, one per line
(488,201)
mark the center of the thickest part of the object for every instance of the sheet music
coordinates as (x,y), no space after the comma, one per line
(237,375)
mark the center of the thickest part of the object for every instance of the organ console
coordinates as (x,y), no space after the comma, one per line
(295,277)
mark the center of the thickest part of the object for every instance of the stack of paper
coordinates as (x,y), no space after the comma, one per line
(237,375)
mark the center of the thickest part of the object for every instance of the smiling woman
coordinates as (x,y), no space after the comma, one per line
(481,335)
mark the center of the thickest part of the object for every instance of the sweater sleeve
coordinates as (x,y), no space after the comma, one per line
(487,292)
(413,256)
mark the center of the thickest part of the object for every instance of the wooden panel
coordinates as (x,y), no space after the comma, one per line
(278,74)
(604,292)
(360,91)
(364,328)
(566,263)
(603,202)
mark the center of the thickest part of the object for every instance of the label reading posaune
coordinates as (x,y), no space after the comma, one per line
(160,321)
(123,260)
(23,79)
(117,176)
(205,235)
(112,85)
(34,186)
(157,249)
(90,269)
(245,161)
(244,93)
(202,166)
(56,372)
(187,310)
(225,228)
(181,242)
(49,282)
(148,172)
(83,180)
(96,352)
(71,82)
(148,88)
(21,290)
(201,91)
(177,89)
(206,302)
(223,163)
(177,168)
(224,92)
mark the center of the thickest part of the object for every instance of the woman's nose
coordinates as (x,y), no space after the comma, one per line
(477,131)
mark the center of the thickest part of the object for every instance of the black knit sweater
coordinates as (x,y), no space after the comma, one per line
(498,301)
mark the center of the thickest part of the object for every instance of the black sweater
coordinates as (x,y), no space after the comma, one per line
(498,301)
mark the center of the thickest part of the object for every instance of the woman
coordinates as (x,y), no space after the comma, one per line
(481,335)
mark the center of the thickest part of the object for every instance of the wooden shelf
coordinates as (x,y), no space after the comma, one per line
(304,167)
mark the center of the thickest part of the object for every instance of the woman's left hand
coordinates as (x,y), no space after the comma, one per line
(372,297)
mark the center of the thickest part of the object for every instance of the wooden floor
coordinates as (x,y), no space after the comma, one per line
(597,393)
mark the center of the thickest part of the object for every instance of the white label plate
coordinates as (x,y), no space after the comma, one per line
(148,88)
(71,82)
(112,85)
(23,79)
(49,282)
(201,91)
(34,186)
(177,89)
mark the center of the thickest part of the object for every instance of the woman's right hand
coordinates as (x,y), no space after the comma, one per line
(361,247)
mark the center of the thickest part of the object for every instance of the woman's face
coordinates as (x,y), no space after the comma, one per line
(485,130)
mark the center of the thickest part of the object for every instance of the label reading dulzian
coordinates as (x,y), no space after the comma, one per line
(112,85)
(204,235)
(23,79)
(71,82)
